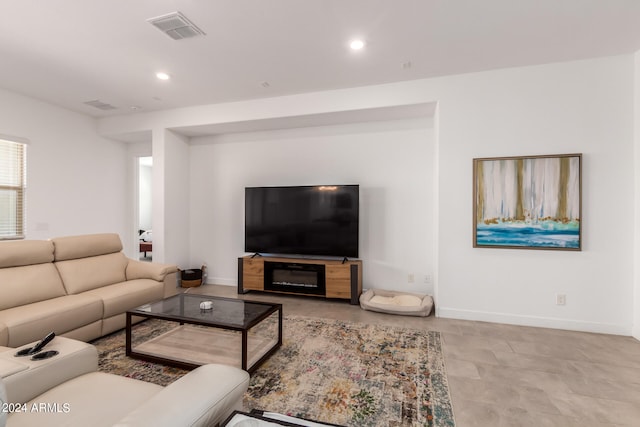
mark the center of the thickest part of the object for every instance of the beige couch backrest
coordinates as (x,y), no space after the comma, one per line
(87,245)
(89,261)
(27,273)
(15,253)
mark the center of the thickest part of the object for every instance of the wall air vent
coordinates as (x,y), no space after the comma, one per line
(100,105)
(176,26)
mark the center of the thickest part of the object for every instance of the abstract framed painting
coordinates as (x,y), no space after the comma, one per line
(528,202)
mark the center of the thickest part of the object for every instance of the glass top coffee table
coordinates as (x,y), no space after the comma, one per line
(233,331)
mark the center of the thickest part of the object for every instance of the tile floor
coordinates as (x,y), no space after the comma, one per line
(504,375)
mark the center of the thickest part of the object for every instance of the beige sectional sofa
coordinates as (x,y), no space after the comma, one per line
(76,394)
(77,286)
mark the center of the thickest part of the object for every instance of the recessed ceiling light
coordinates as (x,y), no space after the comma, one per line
(163,76)
(356,44)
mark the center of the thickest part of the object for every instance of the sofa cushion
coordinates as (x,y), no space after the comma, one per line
(31,322)
(4,335)
(15,253)
(30,283)
(161,410)
(120,297)
(94,399)
(86,333)
(88,245)
(84,274)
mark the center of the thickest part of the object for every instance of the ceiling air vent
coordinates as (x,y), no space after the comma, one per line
(176,26)
(101,105)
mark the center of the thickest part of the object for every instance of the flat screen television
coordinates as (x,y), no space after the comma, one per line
(317,220)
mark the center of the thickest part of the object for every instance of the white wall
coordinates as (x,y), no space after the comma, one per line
(391,161)
(76,180)
(171,195)
(583,106)
(636,278)
(578,107)
(145,199)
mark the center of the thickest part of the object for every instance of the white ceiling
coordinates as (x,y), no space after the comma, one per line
(68,52)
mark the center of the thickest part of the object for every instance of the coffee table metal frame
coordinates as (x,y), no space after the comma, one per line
(270,309)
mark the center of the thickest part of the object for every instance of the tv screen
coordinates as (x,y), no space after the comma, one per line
(309,220)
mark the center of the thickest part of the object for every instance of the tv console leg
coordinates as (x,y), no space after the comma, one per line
(241,290)
(355,298)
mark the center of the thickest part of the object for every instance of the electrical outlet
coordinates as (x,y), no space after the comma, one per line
(411,278)
(561,299)
(428,279)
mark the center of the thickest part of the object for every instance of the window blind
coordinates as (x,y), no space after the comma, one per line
(12,189)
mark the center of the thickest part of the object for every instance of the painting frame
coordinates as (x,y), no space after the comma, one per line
(528,202)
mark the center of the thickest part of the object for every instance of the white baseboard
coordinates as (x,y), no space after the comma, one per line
(635,332)
(222,281)
(540,322)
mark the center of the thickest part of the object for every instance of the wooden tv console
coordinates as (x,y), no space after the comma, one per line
(333,278)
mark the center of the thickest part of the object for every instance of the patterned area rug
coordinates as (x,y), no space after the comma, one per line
(112,358)
(351,374)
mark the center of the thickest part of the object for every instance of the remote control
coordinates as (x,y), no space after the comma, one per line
(40,345)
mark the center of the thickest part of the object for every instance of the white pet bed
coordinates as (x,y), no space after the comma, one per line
(394,302)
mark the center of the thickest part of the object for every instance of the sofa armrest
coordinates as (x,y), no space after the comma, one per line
(148,270)
(75,358)
(4,334)
(205,396)
(171,285)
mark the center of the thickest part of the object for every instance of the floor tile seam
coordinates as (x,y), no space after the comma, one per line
(615,365)
(542,370)
(502,412)
(482,342)
(501,407)
(633,365)
(542,357)
(518,338)
(617,385)
(498,384)
(566,357)
(519,386)
(603,403)
(454,357)
(605,370)
(493,384)
(607,356)
(635,384)
(635,403)
(468,351)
